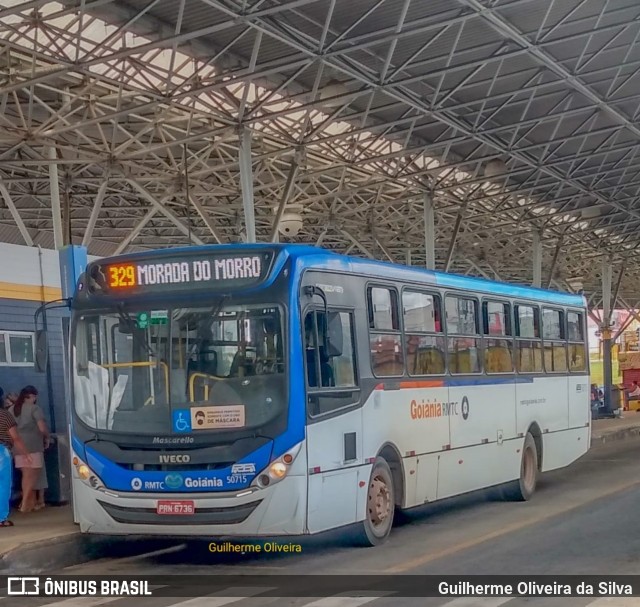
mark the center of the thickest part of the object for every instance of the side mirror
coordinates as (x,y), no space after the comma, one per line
(42,351)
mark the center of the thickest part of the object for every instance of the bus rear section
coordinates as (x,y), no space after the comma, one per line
(420,391)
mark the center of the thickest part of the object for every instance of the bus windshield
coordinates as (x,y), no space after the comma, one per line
(161,371)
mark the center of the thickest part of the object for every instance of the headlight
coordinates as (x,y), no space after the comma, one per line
(86,474)
(277,469)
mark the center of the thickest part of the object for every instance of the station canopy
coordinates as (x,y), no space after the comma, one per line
(516,120)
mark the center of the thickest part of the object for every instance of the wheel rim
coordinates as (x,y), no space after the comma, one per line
(379,503)
(529,470)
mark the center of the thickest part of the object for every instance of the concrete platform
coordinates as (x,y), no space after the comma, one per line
(47,540)
(48,524)
(606,430)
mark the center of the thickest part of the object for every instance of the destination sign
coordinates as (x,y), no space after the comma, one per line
(182,273)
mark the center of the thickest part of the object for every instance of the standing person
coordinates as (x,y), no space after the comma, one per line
(9,438)
(42,483)
(34,431)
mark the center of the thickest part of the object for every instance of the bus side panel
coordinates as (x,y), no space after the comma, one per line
(485,416)
(477,467)
(333,492)
(542,400)
(482,411)
(411,420)
(564,448)
(579,401)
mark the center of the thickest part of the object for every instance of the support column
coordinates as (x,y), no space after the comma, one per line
(56,211)
(607,341)
(429,232)
(537,259)
(408,257)
(246,183)
(284,200)
(554,261)
(95,213)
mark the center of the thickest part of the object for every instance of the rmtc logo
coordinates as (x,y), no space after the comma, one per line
(174,459)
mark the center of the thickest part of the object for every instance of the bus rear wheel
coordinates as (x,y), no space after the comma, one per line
(380,511)
(524,488)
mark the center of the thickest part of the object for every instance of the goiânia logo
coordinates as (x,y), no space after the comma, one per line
(173,481)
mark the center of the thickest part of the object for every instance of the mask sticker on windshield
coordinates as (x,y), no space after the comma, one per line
(207,418)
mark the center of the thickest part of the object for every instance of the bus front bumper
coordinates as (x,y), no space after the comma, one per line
(276,510)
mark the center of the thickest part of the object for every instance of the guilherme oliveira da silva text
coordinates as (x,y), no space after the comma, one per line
(535,589)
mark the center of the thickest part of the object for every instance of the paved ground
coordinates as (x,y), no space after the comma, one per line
(579,522)
(582,521)
(55,523)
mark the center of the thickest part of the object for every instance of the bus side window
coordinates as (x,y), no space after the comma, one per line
(462,330)
(385,338)
(577,348)
(498,356)
(330,360)
(528,339)
(319,351)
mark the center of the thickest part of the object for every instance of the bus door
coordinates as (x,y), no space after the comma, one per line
(334,426)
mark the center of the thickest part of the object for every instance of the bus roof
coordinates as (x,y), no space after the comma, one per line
(310,257)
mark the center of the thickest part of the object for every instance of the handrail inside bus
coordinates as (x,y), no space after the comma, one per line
(163,364)
(192,381)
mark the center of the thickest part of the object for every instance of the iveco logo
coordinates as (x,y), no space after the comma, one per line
(175,459)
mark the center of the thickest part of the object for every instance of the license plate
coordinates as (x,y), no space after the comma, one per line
(175,507)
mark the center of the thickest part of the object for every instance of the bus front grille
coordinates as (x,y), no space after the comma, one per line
(203,516)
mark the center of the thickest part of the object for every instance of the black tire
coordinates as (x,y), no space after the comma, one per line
(378,522)
(523,489)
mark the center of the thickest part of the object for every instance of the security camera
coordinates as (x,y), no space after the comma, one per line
(290,224)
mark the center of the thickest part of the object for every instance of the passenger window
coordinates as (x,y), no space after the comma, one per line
(385,341)
(387,358)
(577,355)
(461,316)
(555,350)
(529,356)
(463,352)
(552,325)
(383,306)
(424,342)
(497,318)
(498,354)
(464,355)
(421,312)
(527,324)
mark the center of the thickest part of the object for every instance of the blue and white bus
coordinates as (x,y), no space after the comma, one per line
(278,390)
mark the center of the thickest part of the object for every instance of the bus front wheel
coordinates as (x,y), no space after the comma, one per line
(380,508)
(525,486)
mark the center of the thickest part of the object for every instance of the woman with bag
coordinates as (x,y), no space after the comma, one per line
(33,430)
